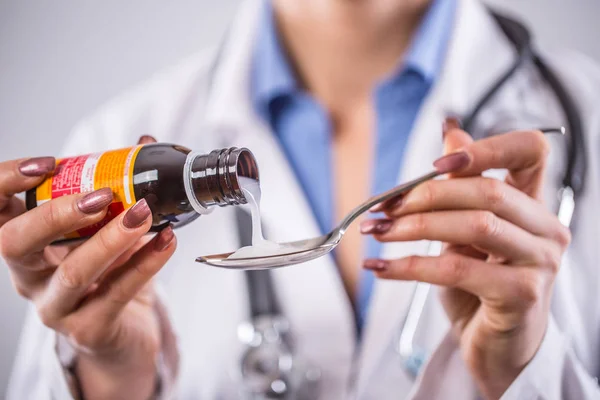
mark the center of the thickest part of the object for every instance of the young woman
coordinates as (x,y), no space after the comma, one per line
(338,100)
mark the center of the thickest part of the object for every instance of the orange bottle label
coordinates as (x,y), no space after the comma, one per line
(113,169)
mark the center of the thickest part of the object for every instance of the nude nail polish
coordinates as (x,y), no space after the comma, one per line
(164,239)
(388,205)
(375,265)
(375,226)
(452,162)
(38,166)
(395,203)
(136,215)
(95,201)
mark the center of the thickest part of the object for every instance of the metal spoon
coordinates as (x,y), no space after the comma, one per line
(304,250)
(291,253)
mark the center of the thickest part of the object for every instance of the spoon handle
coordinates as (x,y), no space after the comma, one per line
(390,194)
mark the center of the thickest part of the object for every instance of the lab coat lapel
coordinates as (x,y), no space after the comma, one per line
(311,294)
(469,69)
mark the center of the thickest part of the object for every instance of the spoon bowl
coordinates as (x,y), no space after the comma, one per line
(288,254)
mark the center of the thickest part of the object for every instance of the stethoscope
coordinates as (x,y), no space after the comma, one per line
(270,368)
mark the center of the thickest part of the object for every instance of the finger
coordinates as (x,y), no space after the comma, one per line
(480,193)
(12,209)
(499,284)
(523,153)
(87,263)
(468,251)
(124,283)
(481,229)
(445,165)
(513,151)
(20,175)
(125,257)
(94,323)
(145,139)
(29,233)
(454,137)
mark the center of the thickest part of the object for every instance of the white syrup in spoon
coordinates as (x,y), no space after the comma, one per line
(251,189)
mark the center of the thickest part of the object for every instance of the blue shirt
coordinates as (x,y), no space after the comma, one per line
(304,129)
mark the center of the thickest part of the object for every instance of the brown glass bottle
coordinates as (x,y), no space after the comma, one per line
(178,184)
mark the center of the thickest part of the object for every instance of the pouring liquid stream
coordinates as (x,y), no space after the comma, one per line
(251,189)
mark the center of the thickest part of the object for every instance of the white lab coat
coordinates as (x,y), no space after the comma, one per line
(205,105)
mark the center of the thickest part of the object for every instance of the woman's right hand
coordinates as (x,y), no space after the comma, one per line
(97,293)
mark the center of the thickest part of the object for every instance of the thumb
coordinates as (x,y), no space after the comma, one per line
(145,139)
(454,137)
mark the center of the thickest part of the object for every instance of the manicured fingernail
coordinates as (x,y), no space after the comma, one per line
(164,239)
(377,208)
(395,203)
(375,265)
(375,226)
(37,166)
(452,162)
(95,201)
(136,215)
(145,139)
(389,204)
(449,124)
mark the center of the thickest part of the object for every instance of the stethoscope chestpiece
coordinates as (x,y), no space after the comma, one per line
(268,367)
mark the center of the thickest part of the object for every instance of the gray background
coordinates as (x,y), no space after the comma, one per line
(59,60)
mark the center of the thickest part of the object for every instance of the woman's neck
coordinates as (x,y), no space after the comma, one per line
(342,48)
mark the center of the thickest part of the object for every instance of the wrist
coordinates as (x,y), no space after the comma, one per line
(497,364)
(116,378)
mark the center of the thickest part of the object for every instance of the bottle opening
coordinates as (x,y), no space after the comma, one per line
(245,166)
(213,178)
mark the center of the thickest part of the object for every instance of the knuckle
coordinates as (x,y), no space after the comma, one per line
(551,258)
(21,289)
(69,276)
(496,153)
(457,268)
(420,224)
(146,269)
(50,216)
(118,295)
(494,192)
(83,335)
(485,223)
(59,214)
(564,237)
(411,265)
(530,288)
(47,314)
(107,240)
(429,193)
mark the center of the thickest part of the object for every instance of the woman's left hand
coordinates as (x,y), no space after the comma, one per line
(502,250)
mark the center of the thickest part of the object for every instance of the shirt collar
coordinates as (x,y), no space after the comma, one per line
(428,47)
(272,74)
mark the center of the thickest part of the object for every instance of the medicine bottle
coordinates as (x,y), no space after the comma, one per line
(179,185)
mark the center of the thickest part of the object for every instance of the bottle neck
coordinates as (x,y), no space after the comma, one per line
(213,179)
